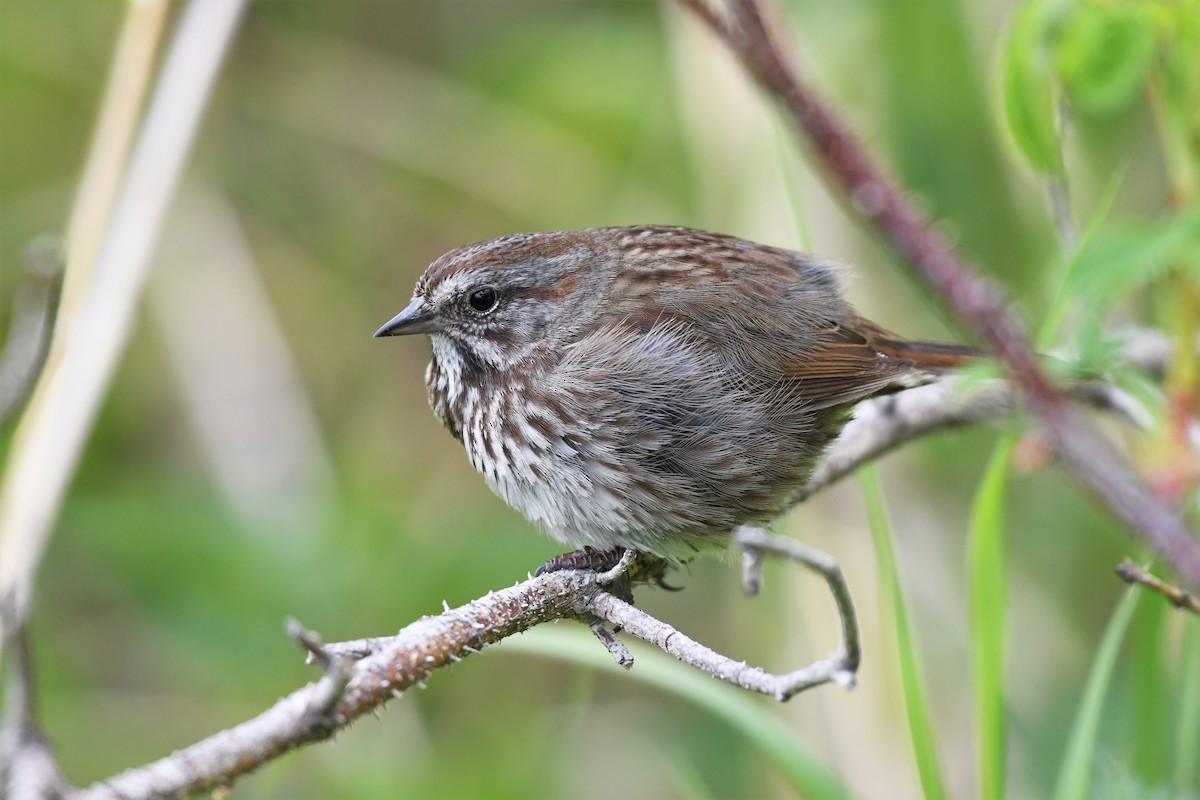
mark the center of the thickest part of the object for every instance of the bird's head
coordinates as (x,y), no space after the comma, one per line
(497,302)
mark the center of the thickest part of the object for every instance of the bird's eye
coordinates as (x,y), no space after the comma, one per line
(483,299)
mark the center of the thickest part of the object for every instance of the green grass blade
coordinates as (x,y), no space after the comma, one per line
(1187,739)
(1074,774)
(807,776)
(920,730)
(1147,697)
(986,605)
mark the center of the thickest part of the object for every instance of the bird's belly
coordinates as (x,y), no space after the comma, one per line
(546,482)
(582,491)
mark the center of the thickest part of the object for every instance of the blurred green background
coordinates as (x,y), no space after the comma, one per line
(259,456)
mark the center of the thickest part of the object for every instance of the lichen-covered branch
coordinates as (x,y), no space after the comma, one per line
(364,674)
(882,424)
(385,669)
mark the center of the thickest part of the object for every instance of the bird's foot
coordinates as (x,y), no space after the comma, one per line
(588,558)
(642,568)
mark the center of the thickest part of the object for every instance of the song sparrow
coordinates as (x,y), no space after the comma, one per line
(648,388)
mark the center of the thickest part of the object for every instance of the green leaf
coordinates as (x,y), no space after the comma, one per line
(1075,771)
(1104,52)
(778,742)
(1131,255)
(986,604)
(1179,74)
(920,729)
(1027,89)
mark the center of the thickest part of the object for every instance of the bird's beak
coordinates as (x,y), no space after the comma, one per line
(417,318)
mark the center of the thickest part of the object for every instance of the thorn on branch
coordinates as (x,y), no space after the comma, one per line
(332,686)
(309,641)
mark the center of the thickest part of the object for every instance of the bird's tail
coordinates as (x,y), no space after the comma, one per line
(933,356)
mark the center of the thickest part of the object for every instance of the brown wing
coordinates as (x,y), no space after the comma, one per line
(777,314)
(803,361)
(843,365)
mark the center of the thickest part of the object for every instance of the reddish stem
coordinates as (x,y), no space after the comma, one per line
(874,196)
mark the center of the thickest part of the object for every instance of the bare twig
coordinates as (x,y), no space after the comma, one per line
(1180,598)
(755,679)
(842,666)
(884,423)
(614,646)
(387,667)
(30,771)
(29,330)
(752,564)
(879,201)
(1058,197)
(27,767)
(375,670)
(1058,190)
(309,641)
(320,716)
